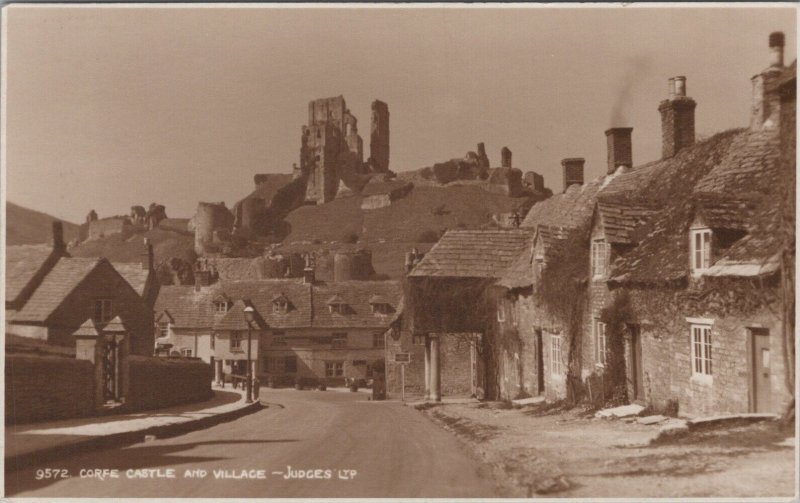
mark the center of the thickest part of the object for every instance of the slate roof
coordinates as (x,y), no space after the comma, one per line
(307,304)
(133,274)
(22,263)
(59,282)
(473,253)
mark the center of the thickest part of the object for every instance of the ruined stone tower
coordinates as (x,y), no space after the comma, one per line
(379,137)
(332,152)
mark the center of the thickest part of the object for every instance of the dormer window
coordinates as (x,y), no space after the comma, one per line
(599,258)
(380,308)
(337,305)
(221,306)
(700,241)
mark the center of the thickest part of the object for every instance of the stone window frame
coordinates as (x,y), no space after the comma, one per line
(701,356)
(599,258)
(599,336)
(101,313)
(556,355)
(695,254)
(334,368)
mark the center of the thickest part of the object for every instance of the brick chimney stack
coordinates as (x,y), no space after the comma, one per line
(573,171)
(58,237)
(677,118)
(766,105)
(147,255)
(308,271)
(620,148)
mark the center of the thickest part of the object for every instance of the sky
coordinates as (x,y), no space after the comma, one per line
(113,107)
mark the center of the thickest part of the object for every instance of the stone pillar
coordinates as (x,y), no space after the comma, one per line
(435,385)
(217,371)
(427,368)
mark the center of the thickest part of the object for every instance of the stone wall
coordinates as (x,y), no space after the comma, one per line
(456,359)
(415,371)
(161,382)
(41,388)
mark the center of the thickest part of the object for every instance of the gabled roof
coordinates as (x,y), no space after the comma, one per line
(133,274)
(620,220)
(186,306)
(335,300)
(87,329)
(473,253)
(569,209)
(65,276)
(235,318)
(722,211)
(356,295)
(22,263)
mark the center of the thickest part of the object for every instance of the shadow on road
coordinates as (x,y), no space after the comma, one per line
(136,457)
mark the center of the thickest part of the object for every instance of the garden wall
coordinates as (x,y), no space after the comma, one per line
(162,382)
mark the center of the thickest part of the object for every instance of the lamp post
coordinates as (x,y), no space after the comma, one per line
(249,316)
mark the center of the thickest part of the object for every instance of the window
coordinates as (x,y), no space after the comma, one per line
(220,307)
(278,338)
(380,308)
(280,306)
(538,261)
(336,308)
(163,329)
(186,352)
(370,373)
(290,364)
(378,340)
(265,364)
(334,369)
(599,258)
(236,341)
(556,365)
(701,351)
(599,342)
(102,310)
(701,250)
(339,340)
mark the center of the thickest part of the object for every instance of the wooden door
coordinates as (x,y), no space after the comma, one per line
(637,374)
(762,370)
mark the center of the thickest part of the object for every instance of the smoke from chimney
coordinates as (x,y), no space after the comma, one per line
(636,71)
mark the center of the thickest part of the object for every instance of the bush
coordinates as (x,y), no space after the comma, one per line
(429,236)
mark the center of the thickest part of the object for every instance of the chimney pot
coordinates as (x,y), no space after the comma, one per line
(620,148)
(680,86)
(671,87)
(573,171)
(776,42)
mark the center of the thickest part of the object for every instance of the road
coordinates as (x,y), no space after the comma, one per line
(359,448)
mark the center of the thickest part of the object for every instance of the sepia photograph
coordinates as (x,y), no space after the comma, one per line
(408,251)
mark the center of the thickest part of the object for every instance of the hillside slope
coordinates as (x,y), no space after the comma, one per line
(26,226)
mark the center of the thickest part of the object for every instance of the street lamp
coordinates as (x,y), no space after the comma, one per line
(249,316)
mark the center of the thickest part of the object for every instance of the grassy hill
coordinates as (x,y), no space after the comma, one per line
(168,241)
(26,226)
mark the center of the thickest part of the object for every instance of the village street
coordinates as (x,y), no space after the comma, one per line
(372,449)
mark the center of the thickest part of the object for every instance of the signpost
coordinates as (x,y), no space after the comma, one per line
(402,359)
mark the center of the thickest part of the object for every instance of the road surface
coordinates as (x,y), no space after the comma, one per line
(349,446)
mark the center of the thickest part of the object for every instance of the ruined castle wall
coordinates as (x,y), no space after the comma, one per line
(210,217)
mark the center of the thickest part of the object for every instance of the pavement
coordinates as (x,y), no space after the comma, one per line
(35,443)
(302,444)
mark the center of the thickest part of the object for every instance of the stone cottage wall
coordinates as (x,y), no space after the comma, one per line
(666,350)
(41,388)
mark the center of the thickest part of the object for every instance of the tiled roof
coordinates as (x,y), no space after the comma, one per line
(55,287)
(133,274)
(22,263)
(307,305)
(520,273)
(473,253)
(235,318)
(569,209)
(620,220)
(234,268)
(187,306)
(720,179)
